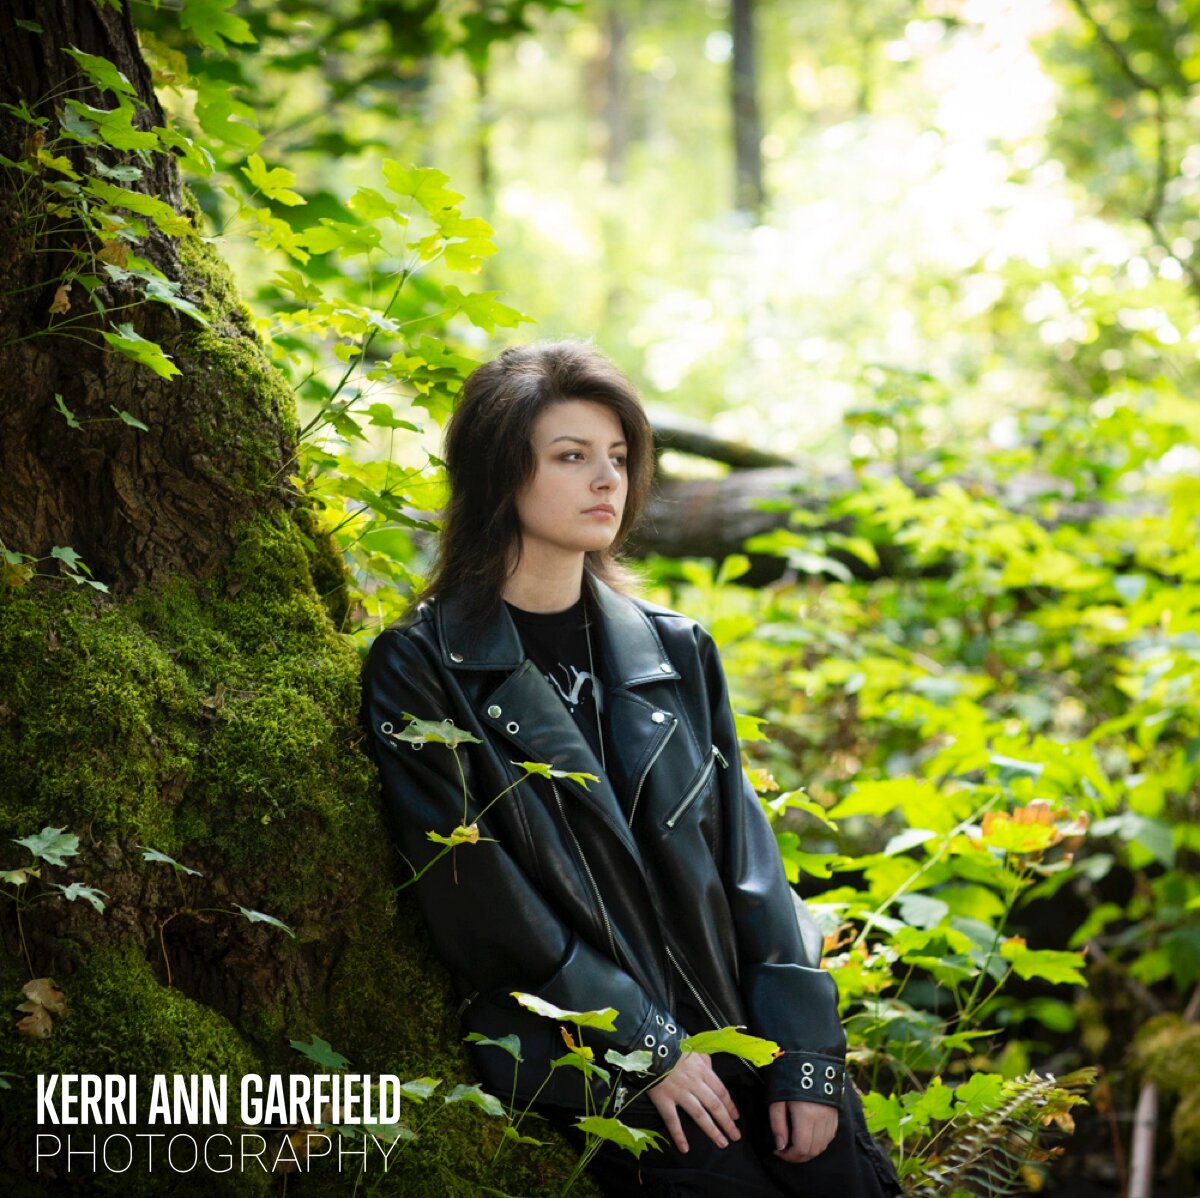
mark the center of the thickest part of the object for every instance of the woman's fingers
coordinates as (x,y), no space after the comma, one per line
(692,1086)
(802,1130)
(777,1113)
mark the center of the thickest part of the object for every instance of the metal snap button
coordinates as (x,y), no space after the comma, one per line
(494,712)
(658,717)
(513,727)
(456,657)
(665,667)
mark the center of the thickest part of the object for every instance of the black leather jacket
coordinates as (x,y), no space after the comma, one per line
(576,901)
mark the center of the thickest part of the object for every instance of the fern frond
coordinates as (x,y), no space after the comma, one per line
(985,1155)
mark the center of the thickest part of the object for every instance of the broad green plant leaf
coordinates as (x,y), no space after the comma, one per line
(510,1044)
(52,845)
(437,732)
(632,1139)
(155,855)
(321,1052)
(276,183)
(77,890)
(488,1103)
(604,1019)
(754,1049)
(102,73)
(128,341)
(212,24)
(259,917)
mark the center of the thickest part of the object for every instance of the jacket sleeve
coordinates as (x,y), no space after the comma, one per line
(487,918)
(786,1000)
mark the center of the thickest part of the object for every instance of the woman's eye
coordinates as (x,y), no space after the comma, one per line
(620,460)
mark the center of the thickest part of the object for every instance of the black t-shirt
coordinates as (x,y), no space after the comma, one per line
(557,643)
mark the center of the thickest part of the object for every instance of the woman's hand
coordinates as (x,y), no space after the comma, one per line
(692,1086)
(802,1130)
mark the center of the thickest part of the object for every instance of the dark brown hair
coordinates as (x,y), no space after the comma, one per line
(489,458)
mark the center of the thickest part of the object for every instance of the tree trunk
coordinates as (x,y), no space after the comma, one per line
(747,127)
(204,710)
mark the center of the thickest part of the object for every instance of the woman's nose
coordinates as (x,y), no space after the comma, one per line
(607,477)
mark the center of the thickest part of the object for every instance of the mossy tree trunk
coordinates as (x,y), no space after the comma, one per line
(205,707)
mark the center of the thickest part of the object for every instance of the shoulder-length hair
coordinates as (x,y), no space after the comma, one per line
(489,458)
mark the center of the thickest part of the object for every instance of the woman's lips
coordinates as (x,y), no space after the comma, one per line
(601,510)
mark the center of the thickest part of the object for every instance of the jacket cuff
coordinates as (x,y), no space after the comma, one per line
(806,1077)
(660,1036)
(797,1007)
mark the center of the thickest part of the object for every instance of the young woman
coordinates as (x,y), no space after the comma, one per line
(657,890)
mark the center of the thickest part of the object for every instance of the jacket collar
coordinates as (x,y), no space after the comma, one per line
(633,649)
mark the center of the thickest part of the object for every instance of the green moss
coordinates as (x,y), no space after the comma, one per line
(218,723)
(1167,1049)
(119,1019)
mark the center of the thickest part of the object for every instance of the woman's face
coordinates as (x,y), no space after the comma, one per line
(576,498)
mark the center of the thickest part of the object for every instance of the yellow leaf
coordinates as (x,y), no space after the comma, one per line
(44,992)
(579,1050)
(62,300)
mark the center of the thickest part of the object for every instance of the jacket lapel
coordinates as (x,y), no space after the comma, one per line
(525,711)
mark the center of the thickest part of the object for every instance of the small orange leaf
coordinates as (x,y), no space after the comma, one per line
(61,303)
(37,1024)
(114,252)
(44,992)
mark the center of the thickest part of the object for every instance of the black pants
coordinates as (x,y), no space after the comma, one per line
(853,1166)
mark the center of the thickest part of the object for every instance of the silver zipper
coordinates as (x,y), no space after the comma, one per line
(689,798)
(687,981)
(637,794)
(587,869)
(720,757)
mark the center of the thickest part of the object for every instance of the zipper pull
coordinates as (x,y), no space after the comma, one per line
(720,757)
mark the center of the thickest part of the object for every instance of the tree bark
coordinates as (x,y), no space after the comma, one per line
(749,194)
(137,506)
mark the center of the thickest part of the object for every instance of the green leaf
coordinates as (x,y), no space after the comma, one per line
(321,1052)
(369,205)
(487,1103)
(423,184)
(148,353)
(382,416)
(77,890)
(163,215)
(510,1044)
(543,770)
(1053,965)
(259,917)
(112,126)
(155,855)
(213,25)
(16,877)
(749,727)
(604,1019)
(922,910)
(227,120)
(68,556)
(632,1139)
(511,1133)
(122,174)
(102,73)
(32,27)
(638,1061)
(133,421)
(438,732)
(754,1049)
(420,1088)
(275,184)
(484,310)
(910,838)
(52,845)
(978,1095)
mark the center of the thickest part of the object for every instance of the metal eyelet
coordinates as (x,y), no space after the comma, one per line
(807,1067)
(830,1072)
(512,727)
(662,1050)
(387,728)
(417,744)
(659,1020)
(649,1041)
(806,1083)
(670,1029)
(829,1087)
(456,657)
(494,712)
